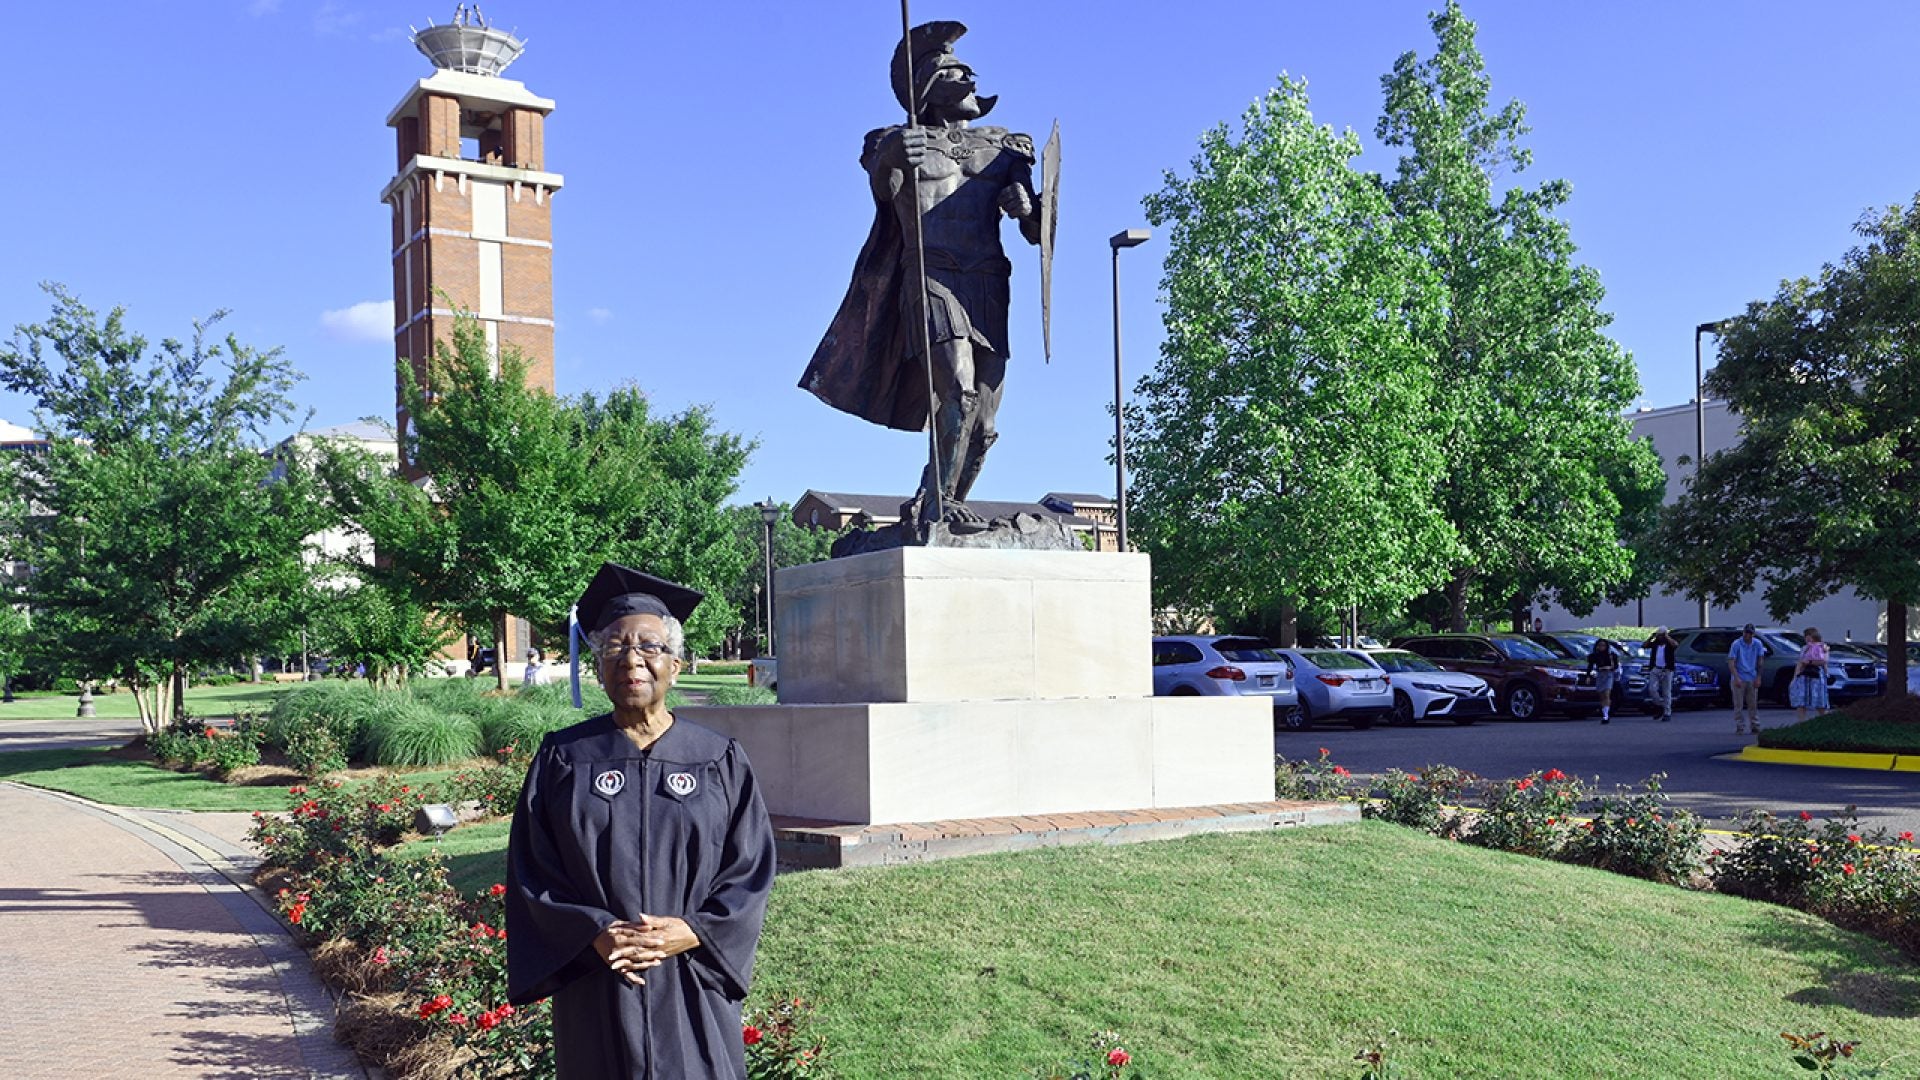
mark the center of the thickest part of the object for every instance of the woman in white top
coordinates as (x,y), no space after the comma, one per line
(1809,687)
(536,673)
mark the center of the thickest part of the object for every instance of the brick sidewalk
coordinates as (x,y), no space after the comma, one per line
(126,954)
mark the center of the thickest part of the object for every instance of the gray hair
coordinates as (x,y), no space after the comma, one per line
(676,637)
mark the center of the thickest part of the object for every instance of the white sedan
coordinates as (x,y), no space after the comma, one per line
(1423,690)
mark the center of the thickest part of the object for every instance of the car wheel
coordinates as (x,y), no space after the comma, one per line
(1523,701)
(1402,710)
(1295,719)
(1306,717)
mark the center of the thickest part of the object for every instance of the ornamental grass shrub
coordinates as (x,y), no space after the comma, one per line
(742,695)
(344,709)
(405,732)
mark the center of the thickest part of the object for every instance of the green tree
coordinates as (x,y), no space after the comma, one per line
(526,493)
(792,546)
(1544,483)
(1823,490)
(160,533)
(1279,447)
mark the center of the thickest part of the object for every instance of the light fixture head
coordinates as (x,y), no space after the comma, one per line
(434,819)
(1129,238)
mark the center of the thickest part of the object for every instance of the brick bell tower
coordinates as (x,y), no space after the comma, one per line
(472,201)
(472,214)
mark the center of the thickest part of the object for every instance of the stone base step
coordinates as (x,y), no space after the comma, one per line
(806,844)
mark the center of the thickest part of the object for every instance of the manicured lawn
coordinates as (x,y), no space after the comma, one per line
(1840,732)
(706,683)
(476,854)
(1276,954)
(201,701)
(89,773)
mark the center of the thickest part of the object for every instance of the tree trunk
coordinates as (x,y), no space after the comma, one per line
(179,691)
(500,651)
(1517,610)
(1457,602)
(147,723)
(1896,646)
(1289,626)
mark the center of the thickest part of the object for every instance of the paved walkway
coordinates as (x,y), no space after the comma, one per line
(129,948)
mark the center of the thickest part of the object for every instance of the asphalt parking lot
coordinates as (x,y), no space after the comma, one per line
(1689,750)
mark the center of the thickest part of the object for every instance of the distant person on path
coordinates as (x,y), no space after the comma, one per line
(1809,688)
(1660,669)
(639,863)
(536,673)
(1603,664)
(1743,663)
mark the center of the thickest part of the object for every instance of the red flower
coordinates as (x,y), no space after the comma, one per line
(1815,862)
(297,913)
(1846,868)
(1523,783)
(435,1004)
(1907,836)
(496,889)
(1631,822)
(1853,838)
(1804,816)
(504,1011)
(750,1035)
(1117,1058)
(1553,774)
(380,956)
(1340,770)
(487,1021)
(459,1019)
(297,789)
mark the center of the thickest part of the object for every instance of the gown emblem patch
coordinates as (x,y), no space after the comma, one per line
(681,783)
(610,782)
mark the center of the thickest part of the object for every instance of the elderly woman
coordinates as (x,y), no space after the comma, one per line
(639,862)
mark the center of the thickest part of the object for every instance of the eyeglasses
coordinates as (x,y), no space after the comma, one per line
(620,650)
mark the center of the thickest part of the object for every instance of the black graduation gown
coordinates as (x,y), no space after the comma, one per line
(604,832)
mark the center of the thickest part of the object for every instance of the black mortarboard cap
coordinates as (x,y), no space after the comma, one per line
(618,591)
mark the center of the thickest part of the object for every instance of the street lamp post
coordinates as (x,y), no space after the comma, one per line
(769,513)
(1126,239)
(1700,416)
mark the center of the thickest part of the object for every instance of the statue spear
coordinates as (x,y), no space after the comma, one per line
(920,264)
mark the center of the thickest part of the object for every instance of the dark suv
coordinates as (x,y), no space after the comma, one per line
(1527,678)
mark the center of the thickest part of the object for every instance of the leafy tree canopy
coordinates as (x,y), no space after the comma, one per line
(1823,491)
(1279,446)
(161,534)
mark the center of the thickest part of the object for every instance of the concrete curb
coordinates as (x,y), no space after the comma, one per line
(1827,760)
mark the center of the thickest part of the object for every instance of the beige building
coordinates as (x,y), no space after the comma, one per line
(1846,614)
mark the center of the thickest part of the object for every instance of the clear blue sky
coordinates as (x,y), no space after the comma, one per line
(229,154)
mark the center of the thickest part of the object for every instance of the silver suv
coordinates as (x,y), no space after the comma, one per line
(1850,674)
(1226,664)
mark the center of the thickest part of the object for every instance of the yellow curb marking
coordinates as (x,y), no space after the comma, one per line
(1825,759)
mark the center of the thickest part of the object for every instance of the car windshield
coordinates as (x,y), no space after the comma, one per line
(1634,650)
(1397,660)
(1334,660)
(1787,640)
(1579,644)
(1247,650)
(1522,649)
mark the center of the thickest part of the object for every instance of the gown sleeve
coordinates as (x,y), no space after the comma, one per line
(549,927)
(728,920)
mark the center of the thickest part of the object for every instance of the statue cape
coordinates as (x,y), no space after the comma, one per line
(863,364)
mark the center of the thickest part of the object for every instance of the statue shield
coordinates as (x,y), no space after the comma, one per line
(1049,224)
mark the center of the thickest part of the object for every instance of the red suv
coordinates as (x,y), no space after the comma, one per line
(1527,678)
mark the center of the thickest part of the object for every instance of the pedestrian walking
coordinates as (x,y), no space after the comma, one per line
(1743,664)
(1660,669)
(1809,687)
(1603,664)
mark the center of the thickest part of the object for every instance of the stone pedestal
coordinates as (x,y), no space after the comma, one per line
(921,684)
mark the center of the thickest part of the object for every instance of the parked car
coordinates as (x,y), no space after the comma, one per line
(1528,679)
(1694,685)
(1423,690)
(1339,686)
(764,671)
(1215,665)
(1850,674)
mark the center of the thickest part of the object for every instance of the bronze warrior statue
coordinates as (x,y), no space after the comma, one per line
(873,360)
